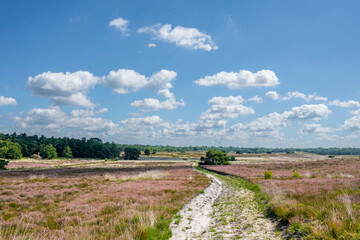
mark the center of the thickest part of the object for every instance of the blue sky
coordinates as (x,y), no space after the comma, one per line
(240,73)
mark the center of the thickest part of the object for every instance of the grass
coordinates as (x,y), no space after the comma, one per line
(319,200)
(95,200)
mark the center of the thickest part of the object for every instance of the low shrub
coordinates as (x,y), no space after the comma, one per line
(296,174)
(268,174)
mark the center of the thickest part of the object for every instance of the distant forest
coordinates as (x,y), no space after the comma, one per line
(95,148)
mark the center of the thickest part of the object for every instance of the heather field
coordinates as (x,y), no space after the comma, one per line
(318,196)
(94,199)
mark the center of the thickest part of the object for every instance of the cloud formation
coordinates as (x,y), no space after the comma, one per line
(190,38)
(242,79)
(120,24)
(156,104)
(4,101)
(347,104)
(290,95)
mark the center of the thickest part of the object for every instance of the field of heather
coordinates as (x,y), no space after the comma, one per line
(321,200)
(93,199)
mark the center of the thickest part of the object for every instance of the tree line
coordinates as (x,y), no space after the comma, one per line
(95,148)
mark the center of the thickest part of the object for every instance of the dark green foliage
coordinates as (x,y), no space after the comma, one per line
(214,157)
(3,164)
(48,152)
(10,150)
(239,152)
(67,153)
(147,151)
(131,153)
(232,158)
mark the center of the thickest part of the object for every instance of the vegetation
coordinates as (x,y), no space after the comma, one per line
(3,164)
(131,153)
(48,152)
(10,150)
(214,157)
(147,151)
(67,153)
(268,174)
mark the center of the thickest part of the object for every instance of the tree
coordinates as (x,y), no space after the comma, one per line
(10,150)
(147,151)
(67,153)
(215,158)
(48,152)
(131,153)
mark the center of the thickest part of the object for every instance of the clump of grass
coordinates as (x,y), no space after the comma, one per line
(296,174)
(268,174)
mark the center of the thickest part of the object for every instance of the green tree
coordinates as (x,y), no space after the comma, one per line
(147,151)
(10,150)
(215,158)
(131,153)
(48,152)
(67,153)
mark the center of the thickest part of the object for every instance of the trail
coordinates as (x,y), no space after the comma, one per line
(222,212)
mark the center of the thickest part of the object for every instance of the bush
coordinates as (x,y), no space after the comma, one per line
(3,163)
(268,174)
(131,153)
(67,153)
(10,150)
(215,158)
(296,175)
(147,151)
(232,158)
(48,152)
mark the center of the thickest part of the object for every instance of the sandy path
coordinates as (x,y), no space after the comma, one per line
(222,212)
(196,215)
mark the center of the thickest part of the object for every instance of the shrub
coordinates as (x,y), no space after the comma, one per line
(10,150)
(296,175)
(268,174)
(67,153)
(147,151)
(48,152)
(3,164)
(131,153)
(215,158)
(232,158)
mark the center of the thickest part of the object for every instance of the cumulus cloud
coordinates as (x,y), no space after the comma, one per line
(165,93)
(64,88)
(151,45)
(7,101)
(53,119)
(242,79)
(120,24)
(123,80)
(149,121)
(190,38)
(352,124)
(155,104)
(270,125)
(255,99)
(347,104)
(77,99)
(290,95)
(314,128)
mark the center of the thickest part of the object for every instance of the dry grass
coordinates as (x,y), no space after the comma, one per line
(102,201)
(323,204)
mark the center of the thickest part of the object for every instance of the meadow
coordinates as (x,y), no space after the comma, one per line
(94,199)
(317,197)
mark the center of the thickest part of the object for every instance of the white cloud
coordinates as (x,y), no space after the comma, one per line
(7,101)
(290,95)
(352,124)
(123,80)
(314,111)
(151,45)
(86,113)
(155,104)
(190,38)
(149,121)
(269,126)
(348,104)
(50,84)
(314,128)
(64,88)
(120,24)
(255,99)
(165,93)
(53,119)
(77,99)
(242,79)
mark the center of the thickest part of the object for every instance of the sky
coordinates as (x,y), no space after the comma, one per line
(230,73)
